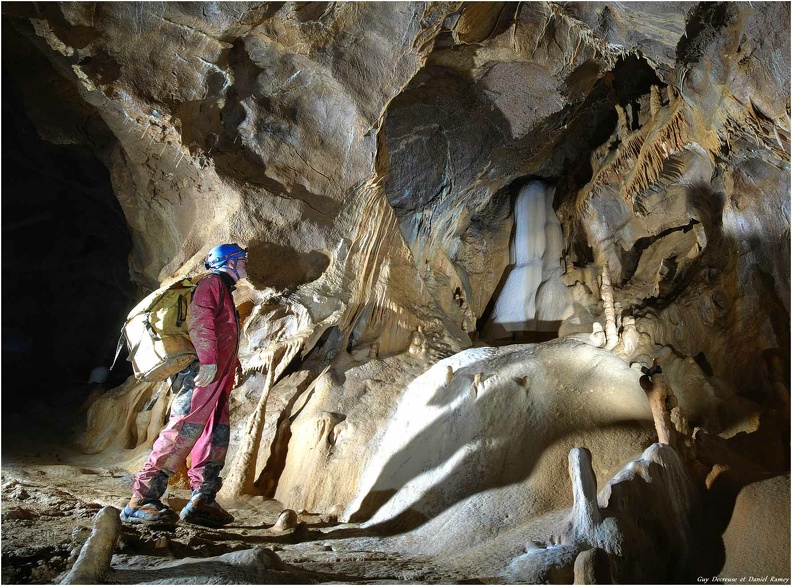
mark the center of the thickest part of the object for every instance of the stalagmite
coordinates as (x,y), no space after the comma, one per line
(630,338)
(477,382)
(654,384)
(611,334)
(569,263)
(97,553)
(288,519)
(597,335)
(418,343)
(586,515)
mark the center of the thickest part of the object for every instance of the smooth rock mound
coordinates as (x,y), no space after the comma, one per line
(478,444)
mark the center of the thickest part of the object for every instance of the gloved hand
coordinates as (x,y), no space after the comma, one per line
(206,374)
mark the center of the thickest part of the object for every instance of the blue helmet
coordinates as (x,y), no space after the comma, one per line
(222,253)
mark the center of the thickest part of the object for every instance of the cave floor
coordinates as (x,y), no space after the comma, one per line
(51,493)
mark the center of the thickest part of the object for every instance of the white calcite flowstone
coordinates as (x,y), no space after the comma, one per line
(516,305)
(480,462)
(533,297)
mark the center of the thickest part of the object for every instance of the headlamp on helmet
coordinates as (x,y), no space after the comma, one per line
(222,253)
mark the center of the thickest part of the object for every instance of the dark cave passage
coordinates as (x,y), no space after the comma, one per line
(66,286)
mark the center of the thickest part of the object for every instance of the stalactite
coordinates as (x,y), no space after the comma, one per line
(655,101)
(623,128)
(669,138)
(736,119)
(113,420)
(241,474)
(617,166)
(640,158)
(377,238)
(585,37)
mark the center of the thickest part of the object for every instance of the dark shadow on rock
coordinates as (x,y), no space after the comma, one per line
(455,487)
(371,504)
(283,267)
(465,129)
(716,511)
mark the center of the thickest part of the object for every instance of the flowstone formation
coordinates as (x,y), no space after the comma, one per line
(518,295)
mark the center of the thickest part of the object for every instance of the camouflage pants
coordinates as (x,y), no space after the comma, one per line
(198,427)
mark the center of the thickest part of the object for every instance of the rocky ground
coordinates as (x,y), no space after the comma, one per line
(51,492)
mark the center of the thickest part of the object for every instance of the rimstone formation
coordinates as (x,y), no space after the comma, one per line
(518,296)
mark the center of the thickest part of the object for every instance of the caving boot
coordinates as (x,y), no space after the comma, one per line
(204,510)
(150,512)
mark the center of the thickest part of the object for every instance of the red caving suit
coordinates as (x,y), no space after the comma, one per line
(199,424)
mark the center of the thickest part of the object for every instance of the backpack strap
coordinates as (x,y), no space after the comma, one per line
(181,311)
(118,348)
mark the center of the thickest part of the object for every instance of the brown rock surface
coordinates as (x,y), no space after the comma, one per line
(751,556)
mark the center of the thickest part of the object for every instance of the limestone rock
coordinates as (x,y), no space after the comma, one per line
(751,550)
(249,566)
(93,563)
(371,158)
(286,520)
(501,453)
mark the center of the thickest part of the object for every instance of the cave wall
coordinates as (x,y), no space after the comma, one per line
(369,156)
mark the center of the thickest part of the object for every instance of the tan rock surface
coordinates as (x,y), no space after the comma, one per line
(751,556)
(369,155)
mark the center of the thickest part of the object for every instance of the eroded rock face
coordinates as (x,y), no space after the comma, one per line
(370,155)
